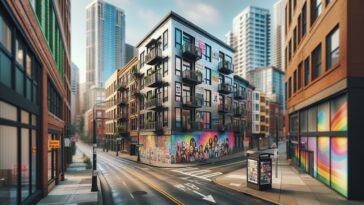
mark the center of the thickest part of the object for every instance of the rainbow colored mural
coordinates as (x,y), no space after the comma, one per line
(312,147)
(304,154)
(323,159)
(339,162)
(339,114)
(201,146)
(323,117)
(156,148)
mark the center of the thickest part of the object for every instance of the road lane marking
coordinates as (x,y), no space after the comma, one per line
(197,173)
(207,198)
(131,195)
(225,165)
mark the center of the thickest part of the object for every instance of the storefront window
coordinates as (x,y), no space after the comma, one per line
(50,160)
(34,151)
(312,120)
(323,160)
(339,114)
(25,179)
(8,164)
(312,146)
(323,117)
(339,164)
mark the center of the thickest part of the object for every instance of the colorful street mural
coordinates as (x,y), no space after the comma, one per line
(339,114)
(187,147)
(323,117)
(323,159)
(339,162)
(201,146)
(156,148)
(304,154)
(312,146)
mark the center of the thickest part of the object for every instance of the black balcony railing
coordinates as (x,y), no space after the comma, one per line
(239,94)
(224,108)
(238,111)
(122,85)
(225,67)
(153,80)
(223,127)
(122,101)
(192,76)
(154,104)
(135,92)
(192,126)
(195,101)
(122,116)
(225,88)
(136,72)
(192,52)
(154,56)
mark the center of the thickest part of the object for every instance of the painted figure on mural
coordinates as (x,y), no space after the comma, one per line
(216,147)
(211,151)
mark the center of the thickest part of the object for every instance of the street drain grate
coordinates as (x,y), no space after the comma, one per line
(139,193)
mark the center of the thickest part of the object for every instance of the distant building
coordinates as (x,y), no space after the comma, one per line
(130,53)
(278,35)
(229,39)
(75,92)
(251,40)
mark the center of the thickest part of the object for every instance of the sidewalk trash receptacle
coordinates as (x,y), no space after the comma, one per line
(259,171)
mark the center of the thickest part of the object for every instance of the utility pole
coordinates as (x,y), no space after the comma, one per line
(276,114)
(94,173)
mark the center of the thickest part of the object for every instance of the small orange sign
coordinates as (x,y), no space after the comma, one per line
(53,144)
(34,150)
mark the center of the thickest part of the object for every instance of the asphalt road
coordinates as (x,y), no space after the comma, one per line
(135,183)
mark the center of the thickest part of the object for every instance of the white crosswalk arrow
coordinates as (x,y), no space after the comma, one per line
(208,197)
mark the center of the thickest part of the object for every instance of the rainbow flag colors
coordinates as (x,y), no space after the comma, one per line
(323,117)
(323,159)
(339,162)
(339,115)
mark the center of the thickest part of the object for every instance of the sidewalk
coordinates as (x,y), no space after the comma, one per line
(76,188)
(291,187)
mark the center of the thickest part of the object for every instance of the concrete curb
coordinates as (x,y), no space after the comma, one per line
(100,200)
(104,190)
(247,193)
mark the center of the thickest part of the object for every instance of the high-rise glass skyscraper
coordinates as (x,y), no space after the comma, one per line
(278,35)
(251,39)
(105,46)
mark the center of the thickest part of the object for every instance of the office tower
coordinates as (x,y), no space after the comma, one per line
(75,92)
(278,35)
(229,39)
(325,91)
(130,53)
(34,99)
(105,45)
(251,40)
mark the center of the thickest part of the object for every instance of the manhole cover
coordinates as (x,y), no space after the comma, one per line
(139,192)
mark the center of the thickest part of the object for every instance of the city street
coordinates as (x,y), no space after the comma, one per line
(133,183)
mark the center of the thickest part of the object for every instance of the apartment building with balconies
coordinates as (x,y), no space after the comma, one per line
(193,109)
(325,91)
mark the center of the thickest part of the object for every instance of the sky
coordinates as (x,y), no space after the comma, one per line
(214,16)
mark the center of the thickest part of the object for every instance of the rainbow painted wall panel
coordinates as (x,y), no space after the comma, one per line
(312,146)
(339,114)
(323,117)
(323,159)
(339,164)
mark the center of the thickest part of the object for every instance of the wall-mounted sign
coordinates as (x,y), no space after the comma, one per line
(53,144)
(253,171)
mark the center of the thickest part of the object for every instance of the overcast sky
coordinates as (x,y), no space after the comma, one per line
(215,16)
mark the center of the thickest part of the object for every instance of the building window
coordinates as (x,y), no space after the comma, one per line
(178,91)
(165,67)
(165,93)
(207,120)
(165,39)
(178,66)
(294,39)
(316,62)
(178,118)
(165,118)
(54,100)
(178,39)
(299,76)
(306,65)
(5,33)
(208,76)
(332,48)
(289,50)
(289,87)
(316,10)
(304,20)
(295,81)
(207,53)
(327,2)
(141,60)
(207,97)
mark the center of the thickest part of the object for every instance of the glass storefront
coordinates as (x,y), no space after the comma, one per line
(322,149)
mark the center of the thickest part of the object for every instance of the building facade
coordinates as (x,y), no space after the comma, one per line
(251,40)
(278,35)
(111,86)
(325,90)
(188,89)
(75,92)
(35,97)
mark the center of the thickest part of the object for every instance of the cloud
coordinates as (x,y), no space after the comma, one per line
(199,12)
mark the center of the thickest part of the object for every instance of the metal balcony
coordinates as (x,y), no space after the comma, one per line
(122,85)
(154,104)
(136,72)
(193,77)
(123,130)
(225,88)
(239,94)
(122,101)
(192,126)
(154,56)
(225,67)
(191,52)
(238,111)
(224,108)
(153,126)
(122,116)
(195,101)
(154,80)
(134,92)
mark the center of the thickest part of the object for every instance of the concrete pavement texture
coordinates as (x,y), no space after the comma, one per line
(291,187)
(76,188)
